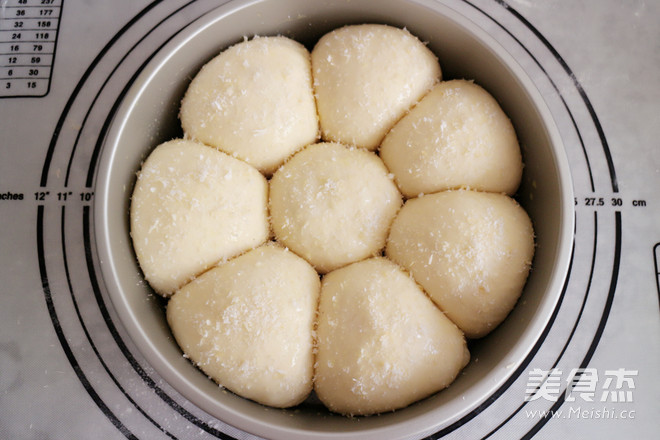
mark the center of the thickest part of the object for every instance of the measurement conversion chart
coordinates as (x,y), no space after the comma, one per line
(28,38)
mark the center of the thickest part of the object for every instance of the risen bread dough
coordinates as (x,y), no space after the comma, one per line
(248,325)
(254,101)
(382,344)
(365,78)
(193,206)
(456,137)
(374,341)
(332,204)
(470,251)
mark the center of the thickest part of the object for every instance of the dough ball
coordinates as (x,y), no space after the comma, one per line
(333,204)
(456,137)
(248,325)
(470,251)
(382,343)
(254,101)
(365,78)
(193,206)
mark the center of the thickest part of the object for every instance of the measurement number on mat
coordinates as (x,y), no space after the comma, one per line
(28,35)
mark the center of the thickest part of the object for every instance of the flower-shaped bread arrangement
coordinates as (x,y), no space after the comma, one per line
(336,222)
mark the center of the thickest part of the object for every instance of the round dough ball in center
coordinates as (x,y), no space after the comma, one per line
(333,204)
